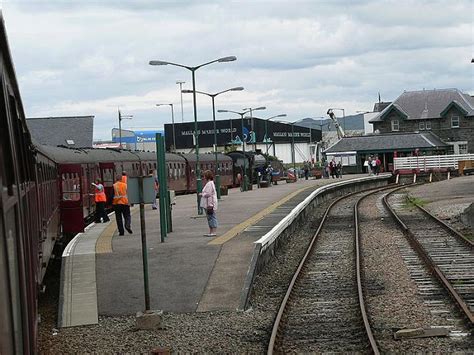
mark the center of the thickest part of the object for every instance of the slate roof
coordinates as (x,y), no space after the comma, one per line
(387,142)
(55,131)
(428,104)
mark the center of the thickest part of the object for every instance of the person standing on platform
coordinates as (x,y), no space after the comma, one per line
(209,202)
(157,187)
(121,206)
(100,200)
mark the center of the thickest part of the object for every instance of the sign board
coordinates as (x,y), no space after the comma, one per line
(149,193)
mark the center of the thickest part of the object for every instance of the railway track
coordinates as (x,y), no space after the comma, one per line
(447,254)
(323,309)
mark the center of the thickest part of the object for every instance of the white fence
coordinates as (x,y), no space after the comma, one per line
(431,161)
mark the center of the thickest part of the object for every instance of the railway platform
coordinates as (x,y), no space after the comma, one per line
(102,271)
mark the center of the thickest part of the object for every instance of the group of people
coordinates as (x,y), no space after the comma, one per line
(373,164)
(122,207)
(333,169)
(119,201)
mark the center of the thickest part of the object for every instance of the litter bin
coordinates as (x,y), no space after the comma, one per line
(224,191)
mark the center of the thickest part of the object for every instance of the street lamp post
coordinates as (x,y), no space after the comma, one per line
(250,110)
(213,96)
(172,123)
(196,134)
(266,132)
(180,83)
(241,114)
(122,117)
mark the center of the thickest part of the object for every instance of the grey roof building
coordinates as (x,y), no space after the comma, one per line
(378,143)
(428,104)
(353,151)
(74,131)
(449,113)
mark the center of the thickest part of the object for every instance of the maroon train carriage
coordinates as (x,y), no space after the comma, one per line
(208,162)
(19,217)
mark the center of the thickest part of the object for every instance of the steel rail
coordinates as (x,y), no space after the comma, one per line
(435,270)
(282,309)
(450,229)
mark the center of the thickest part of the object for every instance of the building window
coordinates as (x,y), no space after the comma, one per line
(428,125)
(395,126)
(462,148)
(422,126)
(454,121)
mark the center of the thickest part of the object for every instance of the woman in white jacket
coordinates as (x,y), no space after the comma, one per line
(209,202)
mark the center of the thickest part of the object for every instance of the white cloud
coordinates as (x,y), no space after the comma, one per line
(296,57)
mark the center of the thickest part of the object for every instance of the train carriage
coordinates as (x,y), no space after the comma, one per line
(19,217)
(208,162)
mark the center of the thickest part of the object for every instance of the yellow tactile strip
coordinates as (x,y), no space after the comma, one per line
(104,242)
(254,219)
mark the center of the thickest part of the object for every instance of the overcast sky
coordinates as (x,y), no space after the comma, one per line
(294,57)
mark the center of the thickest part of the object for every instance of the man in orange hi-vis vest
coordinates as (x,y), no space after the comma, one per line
(100,200)
(121,206)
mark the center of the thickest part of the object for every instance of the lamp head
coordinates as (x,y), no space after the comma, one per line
(238,88)
(227,59)
(158,62)
(259,108)
(282,115)
(187,91)
(222,111)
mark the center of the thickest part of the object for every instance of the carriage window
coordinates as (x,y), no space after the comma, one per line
(71,187)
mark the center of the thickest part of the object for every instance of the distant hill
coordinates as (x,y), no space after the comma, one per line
(349,123)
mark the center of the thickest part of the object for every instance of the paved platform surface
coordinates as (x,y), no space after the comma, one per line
(189,272)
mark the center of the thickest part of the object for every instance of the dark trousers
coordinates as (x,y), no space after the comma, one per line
(100,212)
(122,211)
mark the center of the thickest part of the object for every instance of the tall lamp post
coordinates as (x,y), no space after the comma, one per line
(250,110)
(120,118)
(196,134)
(213,96)
(172,123)
(243,140)
(266,132)
(180,83)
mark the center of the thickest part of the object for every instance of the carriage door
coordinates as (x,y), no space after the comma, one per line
(71,204)
(107,174)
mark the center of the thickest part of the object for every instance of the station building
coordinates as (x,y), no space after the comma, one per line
(277,138)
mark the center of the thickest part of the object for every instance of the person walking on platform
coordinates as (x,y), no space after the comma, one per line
(157,188)
(121,206)
(209,202)
(100,200)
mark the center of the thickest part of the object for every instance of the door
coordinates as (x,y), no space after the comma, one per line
(71,202)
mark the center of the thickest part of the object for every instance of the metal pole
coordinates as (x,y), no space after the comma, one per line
(181,91)
(216,168)
(196,137)
(144,248)
(161,179)
(172,120)
(293,147)
(120,129)
(243,149)
(266,140)
(231,135)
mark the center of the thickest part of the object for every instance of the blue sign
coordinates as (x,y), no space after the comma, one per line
(139,137)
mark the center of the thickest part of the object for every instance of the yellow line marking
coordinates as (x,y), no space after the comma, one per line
(104,242)
(233,232)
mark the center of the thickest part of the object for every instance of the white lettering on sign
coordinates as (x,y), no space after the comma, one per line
(208,131)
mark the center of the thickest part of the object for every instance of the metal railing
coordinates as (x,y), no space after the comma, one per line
(431,161)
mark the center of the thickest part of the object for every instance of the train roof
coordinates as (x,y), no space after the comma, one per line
(90,155)
(206,157)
